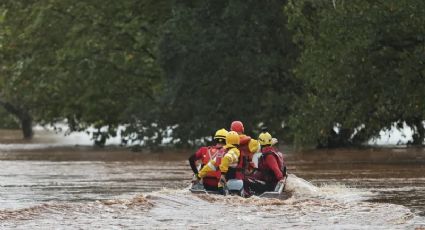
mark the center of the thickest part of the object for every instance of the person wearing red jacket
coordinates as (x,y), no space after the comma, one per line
(271,168)
(247,146)
(204,155)
(229,165)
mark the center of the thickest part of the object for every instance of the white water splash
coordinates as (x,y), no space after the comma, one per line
(309,207)
(300,187)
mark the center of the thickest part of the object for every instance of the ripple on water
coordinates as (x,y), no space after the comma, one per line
(60,190)
(179,209)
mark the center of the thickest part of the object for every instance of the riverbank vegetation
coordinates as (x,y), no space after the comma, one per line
(330,73)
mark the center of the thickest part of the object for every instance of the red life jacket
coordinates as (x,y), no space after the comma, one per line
(268,174)
(238,171)
(213,153)
(209,154)
(244,144)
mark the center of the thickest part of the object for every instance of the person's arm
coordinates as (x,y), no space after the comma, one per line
(207,168)
(192,162)
(229,158)
(273,165)
(194,158)
(244,139)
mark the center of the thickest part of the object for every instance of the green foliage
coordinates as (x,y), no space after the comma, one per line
(23,86)
(7,121)
(227,60)
(108,60)
(90,62)
(325,72)
(362,66)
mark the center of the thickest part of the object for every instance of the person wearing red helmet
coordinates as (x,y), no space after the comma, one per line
(237,126)
(248,146)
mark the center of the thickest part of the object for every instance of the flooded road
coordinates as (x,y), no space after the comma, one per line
(44,186)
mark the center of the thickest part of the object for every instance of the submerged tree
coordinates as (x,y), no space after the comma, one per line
(25,60)
(362,66)
(90,62)
(359,67)
(109,62)
(227,60)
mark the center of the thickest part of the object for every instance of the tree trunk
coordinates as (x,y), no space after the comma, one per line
(419,135)
(341,139)
(24,117)
(26,125)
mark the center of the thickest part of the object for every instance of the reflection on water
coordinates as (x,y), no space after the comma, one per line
(76,187)
(388,183)
(24,183)
(392,175)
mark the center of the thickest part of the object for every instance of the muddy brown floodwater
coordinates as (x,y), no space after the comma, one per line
(47,185)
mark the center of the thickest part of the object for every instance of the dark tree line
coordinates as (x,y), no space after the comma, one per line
(327,73)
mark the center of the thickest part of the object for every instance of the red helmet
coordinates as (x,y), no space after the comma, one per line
(237,126)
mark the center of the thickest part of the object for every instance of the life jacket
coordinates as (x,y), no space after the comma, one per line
(237,171)
(244,144)
(213,153)
(245,152)
(209,154)
(268,174)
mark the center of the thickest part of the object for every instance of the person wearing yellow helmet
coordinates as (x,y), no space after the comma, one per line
(204,155)
(230,165)
(271,167)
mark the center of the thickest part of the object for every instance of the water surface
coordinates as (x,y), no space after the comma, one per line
(46,186)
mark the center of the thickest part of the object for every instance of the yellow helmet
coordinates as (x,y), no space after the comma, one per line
(265,138)
(220,134)
(232,138)
(253,146)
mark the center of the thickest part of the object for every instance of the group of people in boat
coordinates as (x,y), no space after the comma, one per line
(231,157)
